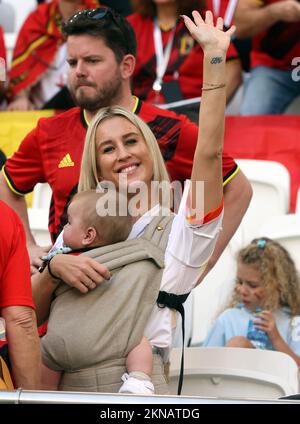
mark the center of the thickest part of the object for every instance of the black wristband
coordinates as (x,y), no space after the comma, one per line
(43,266)
(49,270)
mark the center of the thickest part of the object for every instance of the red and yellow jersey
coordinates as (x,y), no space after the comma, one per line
(37,44)
(2,45)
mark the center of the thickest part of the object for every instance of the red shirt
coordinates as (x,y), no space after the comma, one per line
(52,153)
(277,46)
(185,63)
(2,45)
(15,286)
(223,8)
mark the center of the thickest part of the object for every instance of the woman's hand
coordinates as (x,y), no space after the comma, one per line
(35,253)
(267,323)
(210,37)
(80,272)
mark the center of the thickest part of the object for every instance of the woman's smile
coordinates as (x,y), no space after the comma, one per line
(122,150)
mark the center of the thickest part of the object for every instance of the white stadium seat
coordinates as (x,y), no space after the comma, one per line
(271,194)
(38,222)
(20,12)
(234,373)
(42,196)
(211,297)
(285,229)
(39,212)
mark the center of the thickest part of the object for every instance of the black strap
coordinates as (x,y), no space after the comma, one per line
(175,301)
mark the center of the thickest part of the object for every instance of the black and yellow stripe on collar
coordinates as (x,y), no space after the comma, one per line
(135,109)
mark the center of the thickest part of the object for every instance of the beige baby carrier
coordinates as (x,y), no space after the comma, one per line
(89,335)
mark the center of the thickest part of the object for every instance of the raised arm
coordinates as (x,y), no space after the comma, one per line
(207,164)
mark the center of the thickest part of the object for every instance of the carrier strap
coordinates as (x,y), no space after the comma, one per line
(175,301)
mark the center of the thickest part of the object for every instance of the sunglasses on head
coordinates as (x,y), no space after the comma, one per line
(95,14)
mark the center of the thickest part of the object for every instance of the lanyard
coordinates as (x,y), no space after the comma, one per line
(216,7)
(162,56)
(228,14)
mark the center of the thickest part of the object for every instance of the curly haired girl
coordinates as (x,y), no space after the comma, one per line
(267,279)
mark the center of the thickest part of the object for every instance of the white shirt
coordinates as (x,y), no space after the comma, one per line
(188,250)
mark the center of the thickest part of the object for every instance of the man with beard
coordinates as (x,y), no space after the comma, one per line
(101,55)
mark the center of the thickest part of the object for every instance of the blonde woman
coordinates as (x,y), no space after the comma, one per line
(121,152)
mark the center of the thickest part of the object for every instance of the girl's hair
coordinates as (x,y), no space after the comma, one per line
(89,173)
(278,273)
(184,7)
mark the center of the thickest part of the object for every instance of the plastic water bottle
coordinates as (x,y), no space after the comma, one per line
(258,337)
(2,329)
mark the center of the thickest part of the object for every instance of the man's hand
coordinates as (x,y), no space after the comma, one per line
(287,10)
(80,272)
(35,253)
(21,104)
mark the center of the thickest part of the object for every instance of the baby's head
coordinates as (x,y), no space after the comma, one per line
(266,276)
(86,227)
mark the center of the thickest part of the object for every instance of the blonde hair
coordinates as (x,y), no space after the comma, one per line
(110,229)
(278,273)
(89,174)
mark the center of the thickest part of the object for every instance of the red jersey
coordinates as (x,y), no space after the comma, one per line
(15,286)
(277,46)
(223,8)
(2,45)
(52,153)
(184,65)
(37,44)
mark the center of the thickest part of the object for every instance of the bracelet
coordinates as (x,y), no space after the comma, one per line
(49,270)
(213,86)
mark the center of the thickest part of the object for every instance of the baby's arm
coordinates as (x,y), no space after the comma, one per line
(50,378)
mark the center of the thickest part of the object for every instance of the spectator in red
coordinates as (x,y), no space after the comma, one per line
(37,75)
(2,64)
(16,304)
(275,28)
(169,62)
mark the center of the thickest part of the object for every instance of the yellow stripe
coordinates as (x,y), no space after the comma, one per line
(231,176)
(34,45)
(85,118)
(135,104)
(50,26)
(9,183)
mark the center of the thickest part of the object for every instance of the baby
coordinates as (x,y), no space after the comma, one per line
(86,229)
